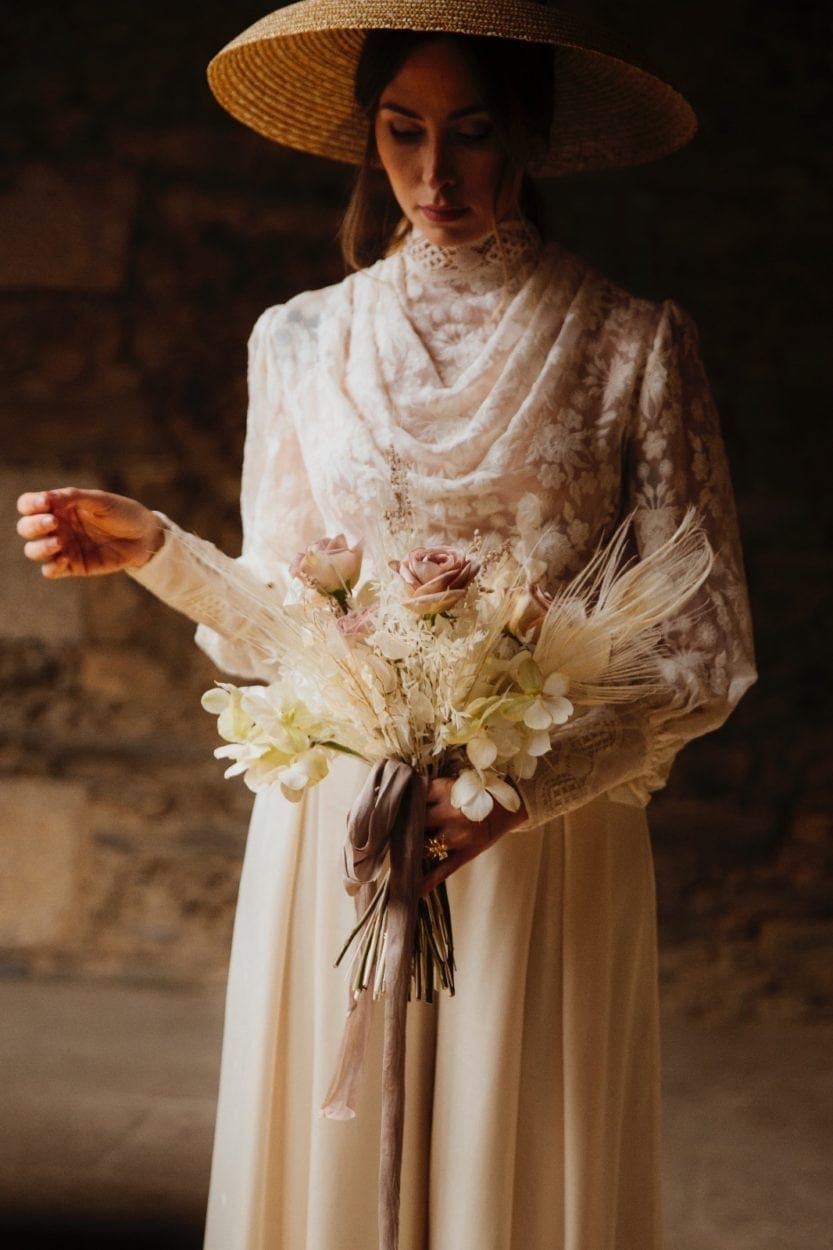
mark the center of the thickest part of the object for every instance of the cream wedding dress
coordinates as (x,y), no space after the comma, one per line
(525,394)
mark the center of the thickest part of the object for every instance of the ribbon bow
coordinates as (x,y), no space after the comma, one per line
(387,820)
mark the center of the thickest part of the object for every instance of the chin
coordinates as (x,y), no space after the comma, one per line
(454,233)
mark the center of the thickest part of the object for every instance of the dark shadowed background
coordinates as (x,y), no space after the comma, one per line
(141,233)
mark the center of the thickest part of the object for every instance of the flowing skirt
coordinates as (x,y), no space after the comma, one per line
(532,1096)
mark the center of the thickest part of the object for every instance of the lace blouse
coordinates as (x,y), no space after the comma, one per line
(527,395)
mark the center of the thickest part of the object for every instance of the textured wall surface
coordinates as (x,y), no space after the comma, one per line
(141,232)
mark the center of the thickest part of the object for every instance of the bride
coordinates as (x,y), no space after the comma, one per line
(530,397)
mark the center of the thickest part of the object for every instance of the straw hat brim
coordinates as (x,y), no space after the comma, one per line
(290,77)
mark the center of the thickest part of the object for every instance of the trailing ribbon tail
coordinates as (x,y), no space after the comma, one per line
(387,819)
(343,1091)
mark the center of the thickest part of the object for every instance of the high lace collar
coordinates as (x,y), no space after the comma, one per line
(512,247)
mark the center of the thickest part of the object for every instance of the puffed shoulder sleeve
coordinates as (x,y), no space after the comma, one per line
(674,460)
(278,515)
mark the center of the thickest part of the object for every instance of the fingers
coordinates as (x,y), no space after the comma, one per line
(45,545)
(463,839)
(59,567)
(439,810)
(43,548)
(442,871)
(32,502)
(46,530)
(50,554)
(454,829)
(35,525)
(65,501)
(439,788)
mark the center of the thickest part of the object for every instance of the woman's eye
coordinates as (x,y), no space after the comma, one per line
(402,135)
(476,133)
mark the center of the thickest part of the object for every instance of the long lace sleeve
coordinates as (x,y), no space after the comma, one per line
(278,517)
(674,460)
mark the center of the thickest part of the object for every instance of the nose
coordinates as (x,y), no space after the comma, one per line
(439,168)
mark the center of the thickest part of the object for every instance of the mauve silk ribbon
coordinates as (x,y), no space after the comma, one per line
(387,818)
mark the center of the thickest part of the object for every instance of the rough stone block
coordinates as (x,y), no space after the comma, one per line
(63,233)
(42,832)
(798,953)
(121,675)
(812,829)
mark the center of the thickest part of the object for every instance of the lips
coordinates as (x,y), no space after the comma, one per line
(441,214)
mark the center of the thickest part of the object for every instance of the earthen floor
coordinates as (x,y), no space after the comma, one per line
(108,1100)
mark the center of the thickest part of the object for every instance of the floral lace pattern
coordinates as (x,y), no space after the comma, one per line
(534,399)
(515,244)
(455,328)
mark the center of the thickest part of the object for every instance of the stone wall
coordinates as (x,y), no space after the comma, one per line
(142,232)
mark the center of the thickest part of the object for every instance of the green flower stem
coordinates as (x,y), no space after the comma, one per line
(337,746)
(363,920)
(433,959)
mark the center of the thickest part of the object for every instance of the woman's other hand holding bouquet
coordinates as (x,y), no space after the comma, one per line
(463,839)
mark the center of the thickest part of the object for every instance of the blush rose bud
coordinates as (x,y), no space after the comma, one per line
(435,578)
(358,623)
(529,607)
(329,566)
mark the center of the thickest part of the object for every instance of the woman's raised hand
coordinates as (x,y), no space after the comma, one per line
(80,533)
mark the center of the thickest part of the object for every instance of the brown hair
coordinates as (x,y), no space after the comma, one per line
(516,83)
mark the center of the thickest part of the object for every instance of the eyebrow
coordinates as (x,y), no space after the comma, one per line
(458,113)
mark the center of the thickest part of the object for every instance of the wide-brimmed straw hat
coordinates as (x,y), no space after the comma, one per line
(290,77)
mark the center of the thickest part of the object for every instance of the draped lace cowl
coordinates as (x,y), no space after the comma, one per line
(526,395)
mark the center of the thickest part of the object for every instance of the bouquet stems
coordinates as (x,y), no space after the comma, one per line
(432,967)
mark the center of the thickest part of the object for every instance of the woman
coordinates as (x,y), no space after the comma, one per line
(528,396)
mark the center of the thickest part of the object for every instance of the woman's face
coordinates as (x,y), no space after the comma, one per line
(438,147)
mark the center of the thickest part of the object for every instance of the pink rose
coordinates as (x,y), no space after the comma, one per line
(529,606)
(328,566)
(357,623)
(435,578)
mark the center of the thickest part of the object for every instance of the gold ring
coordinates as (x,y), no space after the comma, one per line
(436,850)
